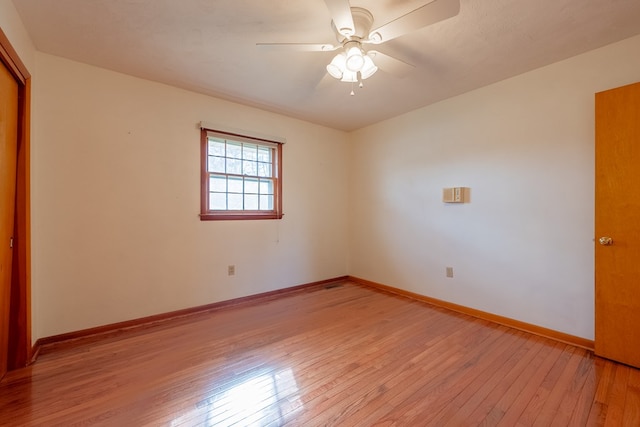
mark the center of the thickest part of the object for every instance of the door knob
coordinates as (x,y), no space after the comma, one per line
(606,241)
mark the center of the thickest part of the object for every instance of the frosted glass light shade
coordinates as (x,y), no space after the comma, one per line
(337,66)
(355,59)
(368,69)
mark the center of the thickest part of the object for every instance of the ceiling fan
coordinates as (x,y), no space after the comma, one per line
(353,29)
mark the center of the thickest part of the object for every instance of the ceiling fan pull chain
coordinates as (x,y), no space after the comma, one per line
(352,92)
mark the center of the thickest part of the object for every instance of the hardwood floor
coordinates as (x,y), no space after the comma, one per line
(345,355)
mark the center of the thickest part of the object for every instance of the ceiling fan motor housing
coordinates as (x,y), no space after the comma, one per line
(362,21)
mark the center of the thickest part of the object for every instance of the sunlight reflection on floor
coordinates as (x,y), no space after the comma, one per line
(266,397)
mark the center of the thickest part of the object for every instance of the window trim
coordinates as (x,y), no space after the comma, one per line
(209,215)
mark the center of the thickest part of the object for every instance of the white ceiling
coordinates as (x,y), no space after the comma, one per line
(209,46)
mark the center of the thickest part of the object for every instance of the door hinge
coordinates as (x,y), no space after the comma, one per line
(11,243)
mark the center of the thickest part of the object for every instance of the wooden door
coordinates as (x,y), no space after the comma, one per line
(8,153)
(617,225)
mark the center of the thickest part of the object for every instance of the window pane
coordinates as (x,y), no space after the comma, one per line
(234,166)
(264,169)
(216,164)
(217,201)
(249,168)
(235,185)
(235,202)
(266,186)
(251,202)
(234,150)
(216,147)
(250,186)
(264,154)
(266,203)
(218,184)
(249,151)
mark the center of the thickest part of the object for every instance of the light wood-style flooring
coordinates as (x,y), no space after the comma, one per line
(340,355)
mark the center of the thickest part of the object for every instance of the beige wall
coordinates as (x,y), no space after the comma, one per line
(116,198)
(523,247)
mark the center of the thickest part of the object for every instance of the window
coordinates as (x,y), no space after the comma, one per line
(241,177)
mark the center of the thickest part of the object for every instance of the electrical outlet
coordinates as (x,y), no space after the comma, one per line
(449,271)
(231,270)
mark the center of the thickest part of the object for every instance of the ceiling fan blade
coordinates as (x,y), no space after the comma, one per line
(340,11)
(430,13)
(299,47)
(391,65)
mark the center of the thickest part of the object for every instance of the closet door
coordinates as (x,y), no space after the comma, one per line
(8,161)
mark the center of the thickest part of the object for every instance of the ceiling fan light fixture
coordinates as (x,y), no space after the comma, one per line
(340,68)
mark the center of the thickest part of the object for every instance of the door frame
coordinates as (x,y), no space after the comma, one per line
(20,346)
